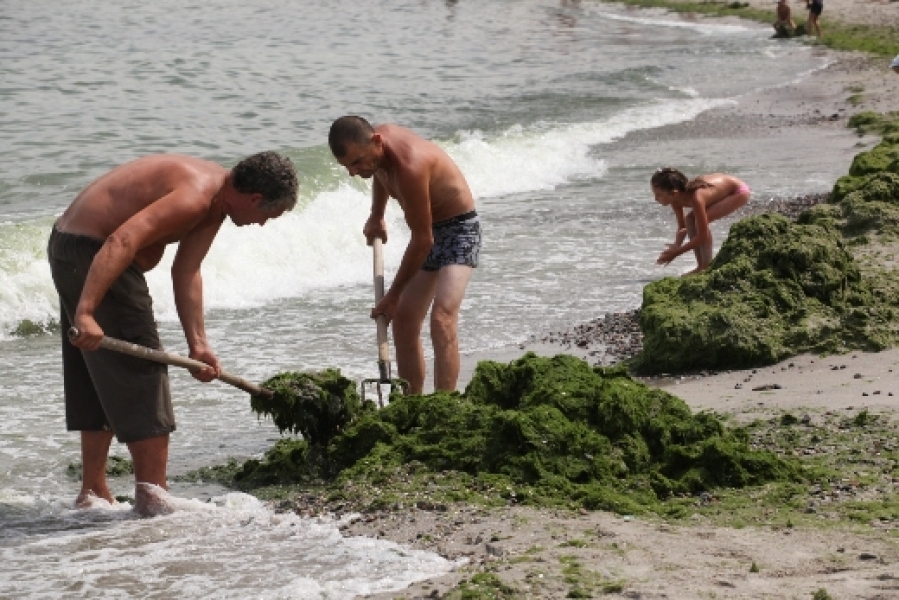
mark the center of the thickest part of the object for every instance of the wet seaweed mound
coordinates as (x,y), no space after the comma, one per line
(775,289)
(555,430)
(778,288)
(878,167)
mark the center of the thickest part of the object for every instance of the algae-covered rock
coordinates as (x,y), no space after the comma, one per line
(563,432)
(829,216)
(883,185)
(847,184)
(863,216)
(775,289)
(316,405)
(870,122)
(880,158)
(873,206)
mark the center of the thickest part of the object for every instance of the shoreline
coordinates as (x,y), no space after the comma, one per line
(776,551)
(526,552)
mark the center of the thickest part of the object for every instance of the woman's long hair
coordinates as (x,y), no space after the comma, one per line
(669,179)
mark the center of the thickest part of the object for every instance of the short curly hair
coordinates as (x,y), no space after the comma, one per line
(270,174)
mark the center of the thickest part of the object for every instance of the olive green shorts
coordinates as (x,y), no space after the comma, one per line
(107,390)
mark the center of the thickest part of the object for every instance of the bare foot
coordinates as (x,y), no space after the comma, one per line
(88,499)
(150,500)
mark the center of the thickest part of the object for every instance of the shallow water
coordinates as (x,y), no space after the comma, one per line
(534,99)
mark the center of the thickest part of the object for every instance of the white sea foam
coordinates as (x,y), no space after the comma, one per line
(321,244)
(231,547)
(704,27)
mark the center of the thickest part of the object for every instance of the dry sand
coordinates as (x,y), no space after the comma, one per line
(529,548)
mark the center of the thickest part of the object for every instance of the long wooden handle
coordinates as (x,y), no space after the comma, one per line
(381,320)
(175,360)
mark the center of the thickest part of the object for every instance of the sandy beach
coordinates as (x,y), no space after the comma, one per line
(860,12)
(538,553)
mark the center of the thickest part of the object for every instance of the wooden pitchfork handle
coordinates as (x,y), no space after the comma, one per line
(175,360)
(381,320)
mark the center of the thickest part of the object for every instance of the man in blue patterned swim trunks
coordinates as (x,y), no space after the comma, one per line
(446,239)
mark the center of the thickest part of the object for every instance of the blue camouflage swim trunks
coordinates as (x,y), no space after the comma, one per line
(457,241)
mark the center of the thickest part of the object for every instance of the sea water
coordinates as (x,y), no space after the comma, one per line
(550,109)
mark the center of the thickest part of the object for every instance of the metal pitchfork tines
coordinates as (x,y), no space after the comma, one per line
(383,349)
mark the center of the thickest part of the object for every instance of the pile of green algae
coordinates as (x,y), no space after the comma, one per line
(541,431)
(558,432)
(779,288)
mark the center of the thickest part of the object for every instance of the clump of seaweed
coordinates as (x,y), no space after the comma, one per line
(556,430)
(785,31)
(317,405)
(777,289)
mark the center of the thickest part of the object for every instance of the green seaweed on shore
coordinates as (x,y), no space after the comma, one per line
(116,466)
(775,289)
(543,431)
(878,166)
(779,288)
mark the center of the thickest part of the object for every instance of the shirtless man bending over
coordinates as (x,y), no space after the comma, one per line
(114,231)
(444,247)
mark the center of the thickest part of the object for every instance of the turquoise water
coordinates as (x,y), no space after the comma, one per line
(535,100)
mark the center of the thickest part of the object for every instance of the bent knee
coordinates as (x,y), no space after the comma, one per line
(444,322)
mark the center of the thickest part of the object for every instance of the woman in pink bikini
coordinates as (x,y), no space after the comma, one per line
(709,197)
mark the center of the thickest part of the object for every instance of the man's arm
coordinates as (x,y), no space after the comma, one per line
(187,283)
(417,212)
(175,212)
(375,226)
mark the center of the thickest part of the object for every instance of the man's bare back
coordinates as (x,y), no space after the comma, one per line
(108,202)
(127,217)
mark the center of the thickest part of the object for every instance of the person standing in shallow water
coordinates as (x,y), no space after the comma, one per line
(444,246)
(709,197)
(116,229)
(815,8)
(784,17)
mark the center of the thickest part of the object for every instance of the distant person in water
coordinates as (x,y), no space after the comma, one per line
(443,249)
(709,197)
(815,7)
(116,229)
(895,64)
(784,17)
